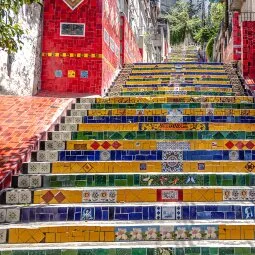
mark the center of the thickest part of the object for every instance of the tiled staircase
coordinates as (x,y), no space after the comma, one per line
(163,167)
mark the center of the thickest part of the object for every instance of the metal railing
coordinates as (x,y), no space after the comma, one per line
(247,16)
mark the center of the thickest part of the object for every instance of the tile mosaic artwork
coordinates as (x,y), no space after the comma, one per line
(141,251)
(168,156)
(126,234)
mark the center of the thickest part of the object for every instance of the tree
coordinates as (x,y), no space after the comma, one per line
(207,33)
(10,30)
(183,23)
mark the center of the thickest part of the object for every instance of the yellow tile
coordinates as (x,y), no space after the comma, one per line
(58,237)
(50,238)
(94,236)
(107,229)
(79,239)
(64,237)
(101,237)
(109,236)
(187,196)
(13,235)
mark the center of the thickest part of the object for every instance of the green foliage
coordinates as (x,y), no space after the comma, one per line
(209,48)
(10,30)
(184,22)
(181,25)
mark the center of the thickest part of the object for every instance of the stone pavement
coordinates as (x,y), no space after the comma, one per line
(23,122)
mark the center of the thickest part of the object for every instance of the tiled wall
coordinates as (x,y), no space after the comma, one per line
(130,52)
(85,64)
(237,44)
(72,63)
(248,49)
(111,42)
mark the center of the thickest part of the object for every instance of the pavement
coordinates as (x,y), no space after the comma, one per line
(23,122)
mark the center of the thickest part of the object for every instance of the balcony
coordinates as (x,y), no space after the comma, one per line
(247,16)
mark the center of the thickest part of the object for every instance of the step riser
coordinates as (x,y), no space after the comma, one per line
(138,167)
(136,155)
(132,180)
(125,195)
(126,213)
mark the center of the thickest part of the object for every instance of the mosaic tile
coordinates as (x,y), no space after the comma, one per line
(3,235)
(172,155)
(172,146)
(13,215)
(172,166)
(99,196)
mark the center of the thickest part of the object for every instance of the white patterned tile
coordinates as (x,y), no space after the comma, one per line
(61,136)
(33,168)
(99,196)
(13,215)
(84,106)
(12,197)
(23,181)
(168,213)
(3,235)
(105,155)
(73,120)
(41,156)
(54,145)
(25,196)
(173,166)
(38,168)
(78,113)
(2,215)
(169,195)
(66,136)
(35,181)
(47,156)
(233,155)
(52,156)
(45,168)
(68,127)
(174,119)
(87,100)
(173,146)
(172,155)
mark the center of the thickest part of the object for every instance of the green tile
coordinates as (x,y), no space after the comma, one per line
(214,251)
(69,252)
(53,252)
(242,251)
(226,251)
(20,253)
(139,251)
(36,252)
(6,253)
(120,251)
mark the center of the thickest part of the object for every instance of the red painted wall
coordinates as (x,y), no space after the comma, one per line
(248,49)
(85,64)
(111,42)
(89,13)
(130,52)
(236,29)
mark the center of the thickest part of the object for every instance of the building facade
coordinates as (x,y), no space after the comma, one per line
(236,39)
(85,42)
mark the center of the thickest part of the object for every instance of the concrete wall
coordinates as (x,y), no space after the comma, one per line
(20,73)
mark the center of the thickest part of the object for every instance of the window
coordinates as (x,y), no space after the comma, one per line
(72,29)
